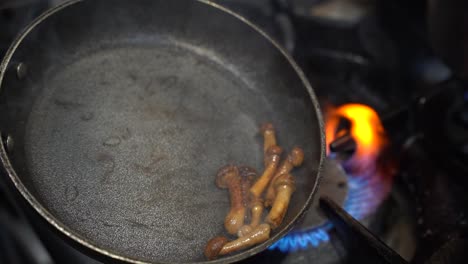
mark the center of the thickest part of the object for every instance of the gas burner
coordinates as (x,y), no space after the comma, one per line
(353,180)
(315,227)
(369,180)
(356,195)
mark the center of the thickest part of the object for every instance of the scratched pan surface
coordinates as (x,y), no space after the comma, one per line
(119,113)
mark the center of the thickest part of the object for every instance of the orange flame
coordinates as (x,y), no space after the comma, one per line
(368,161)
(366,130)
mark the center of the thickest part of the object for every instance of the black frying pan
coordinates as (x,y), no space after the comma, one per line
(117,114)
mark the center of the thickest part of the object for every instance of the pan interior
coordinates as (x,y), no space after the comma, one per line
(119,135)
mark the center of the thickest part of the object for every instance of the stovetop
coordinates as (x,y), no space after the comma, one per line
(369,52)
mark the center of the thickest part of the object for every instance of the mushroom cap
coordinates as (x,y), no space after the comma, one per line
(214,246)
(256,203)
(274,150)
(225,175)
(247,173)
(285,179)
(297,156)
(273,153)
(267,127)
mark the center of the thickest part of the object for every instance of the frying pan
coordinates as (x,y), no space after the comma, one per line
(116,115)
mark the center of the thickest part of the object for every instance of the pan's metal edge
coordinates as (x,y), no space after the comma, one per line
(62,228)
(6,161)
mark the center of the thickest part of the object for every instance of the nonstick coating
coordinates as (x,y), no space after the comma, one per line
(128,108)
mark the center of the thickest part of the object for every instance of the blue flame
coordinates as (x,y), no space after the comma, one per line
(364,195)
(302,240)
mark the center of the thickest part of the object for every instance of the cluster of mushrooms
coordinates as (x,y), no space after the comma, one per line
(248,199)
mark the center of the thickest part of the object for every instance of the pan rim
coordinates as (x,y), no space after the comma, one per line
(64,229)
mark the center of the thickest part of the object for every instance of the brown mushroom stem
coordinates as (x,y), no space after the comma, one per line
(234,220)
(259,186)
(247,175)
(285,187)
(258,235)
(228,177)
(257,211)
(256,208)
(214,246)
(294,159)
(269,136)
(244,230)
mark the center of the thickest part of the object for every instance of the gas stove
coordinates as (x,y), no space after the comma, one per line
(396,120)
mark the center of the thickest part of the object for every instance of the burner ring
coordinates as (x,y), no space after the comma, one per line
(360,198)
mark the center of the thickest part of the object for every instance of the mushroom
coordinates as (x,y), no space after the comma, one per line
(257,211)
(258,235)
(247,175)
(244,230)
(285,186)
(294,159)
(214,246)
(228,178)
(269,135)
(273,158)
(256,207)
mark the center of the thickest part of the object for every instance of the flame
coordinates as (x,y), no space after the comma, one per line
(369,183)
(366,129)
(364,168)
(369,177)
